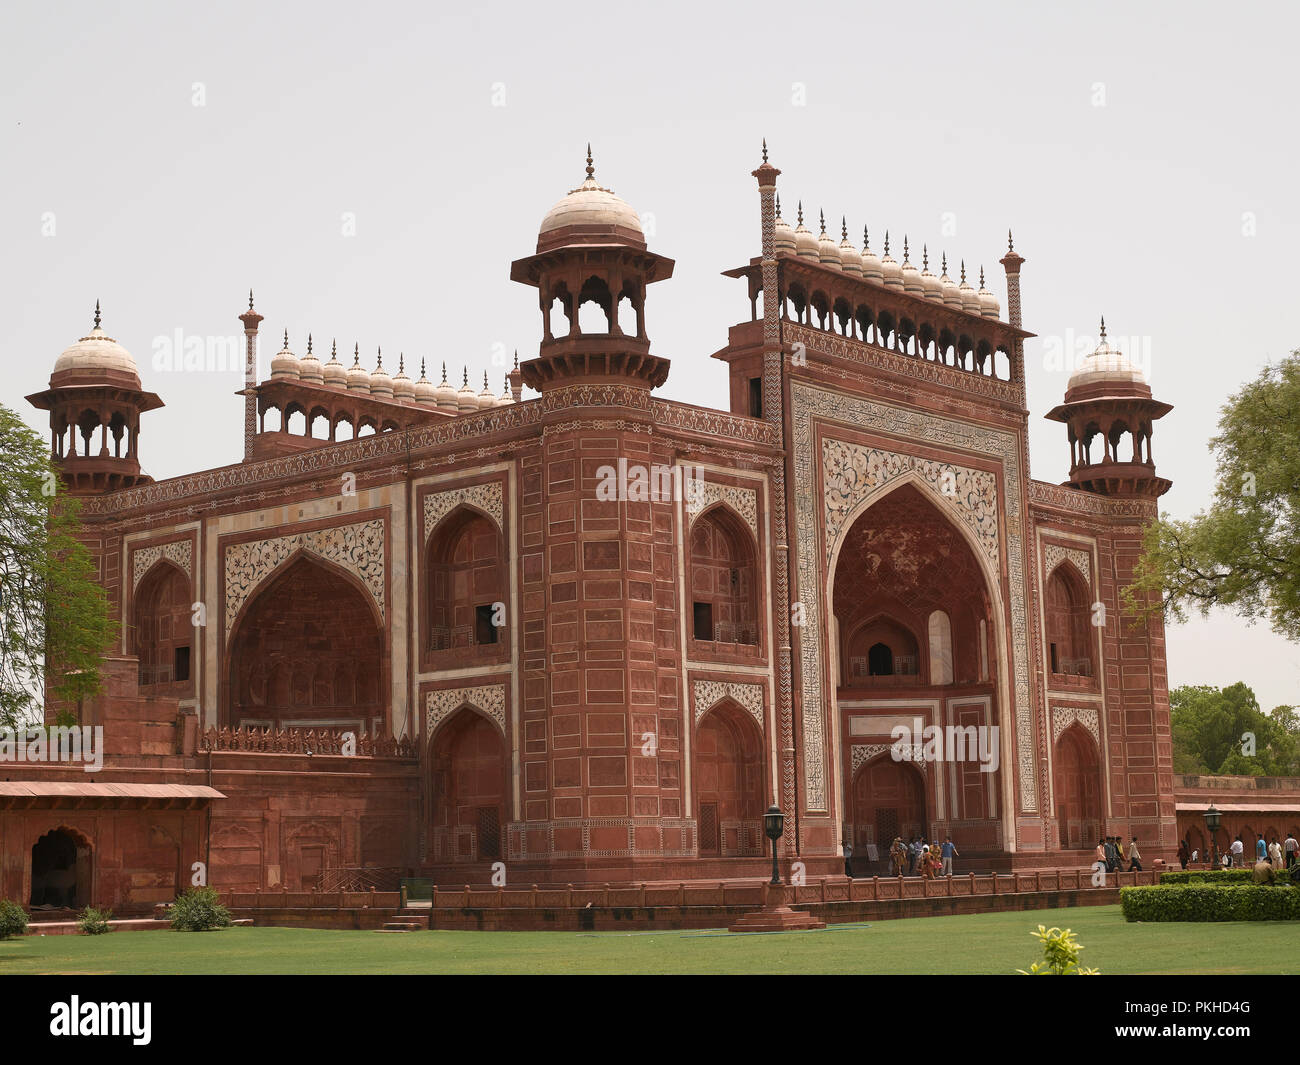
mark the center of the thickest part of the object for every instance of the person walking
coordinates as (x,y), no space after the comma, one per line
(848,859)
(1099,856)
(1261,849)
(949,852)
(1134,858)
(1275,855)
(1183,854)
(898,856)
(1196,856)
(913,853)
(1238,852)
(1290,846)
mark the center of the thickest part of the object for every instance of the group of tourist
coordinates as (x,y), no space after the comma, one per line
(1111,854)
(921,858)
(1278,855)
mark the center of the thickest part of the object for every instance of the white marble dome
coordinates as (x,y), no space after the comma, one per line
(96,351)
(1106,365)
(284,363)
(590,204)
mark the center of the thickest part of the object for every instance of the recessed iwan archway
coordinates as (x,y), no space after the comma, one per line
(905,562)
(308,651)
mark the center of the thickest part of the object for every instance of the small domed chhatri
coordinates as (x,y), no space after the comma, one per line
(425,393)
(334,372)
(309,367)
(466,398)
(850,257)
(782,234)
(381,384)
(403,387)
(891,272)
(1108,367)
(910,274)
(358,375)
(828,252)
(96,354)
(805,244)
(284,364)
(951,293)
(445,394)
(871,268)
(590,213)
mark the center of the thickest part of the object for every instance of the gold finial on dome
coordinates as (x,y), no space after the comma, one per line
(925,257)
(356,354)
(591,170)
(308,340)
(823,218)
(1011,244)
(886,242)
(765,149)
(1103,329)
(800,218)
(963,271)
(286,340)
(250,299)
(96,314)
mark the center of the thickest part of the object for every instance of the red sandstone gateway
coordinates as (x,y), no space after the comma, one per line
(590,689)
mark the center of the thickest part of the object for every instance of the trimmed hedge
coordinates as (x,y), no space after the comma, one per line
(1202,902)
(1220,876)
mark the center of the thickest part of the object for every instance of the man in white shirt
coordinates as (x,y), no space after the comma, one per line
(1238,850)
(1290,847)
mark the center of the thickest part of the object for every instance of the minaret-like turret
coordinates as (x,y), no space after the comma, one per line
(591,249)
(95,400)
(1108,398)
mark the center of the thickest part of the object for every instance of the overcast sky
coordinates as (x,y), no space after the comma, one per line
(371,170)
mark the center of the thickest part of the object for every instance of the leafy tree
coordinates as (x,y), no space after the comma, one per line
(54,621)
(1244,552)
(1208,725)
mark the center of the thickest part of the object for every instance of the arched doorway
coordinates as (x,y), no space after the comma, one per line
(1068,620)
(61,873)
(1078,790)
(470,781)
(164,635)
(308,652)
(888,801)
(728,783)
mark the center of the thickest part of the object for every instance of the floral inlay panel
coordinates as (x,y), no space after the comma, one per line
(143,559)
(851,472)
(703,494)
(484,497)
(357,548)
(1065,716)
(1055,554)
(708,693)
(488,698)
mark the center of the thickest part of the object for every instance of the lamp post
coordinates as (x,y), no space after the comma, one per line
(774,826)
(1212,821)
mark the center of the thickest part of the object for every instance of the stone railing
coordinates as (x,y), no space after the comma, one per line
(304,741)
(830,889)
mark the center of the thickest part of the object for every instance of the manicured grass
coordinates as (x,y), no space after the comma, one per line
(997,943)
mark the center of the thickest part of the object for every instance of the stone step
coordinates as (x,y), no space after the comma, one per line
(402,926)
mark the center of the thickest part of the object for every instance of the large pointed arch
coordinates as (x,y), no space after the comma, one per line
(986,557)
(729,786)
(288,642)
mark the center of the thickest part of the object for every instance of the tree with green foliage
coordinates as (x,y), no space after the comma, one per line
(1210,727)
(1244,552)
(54,620)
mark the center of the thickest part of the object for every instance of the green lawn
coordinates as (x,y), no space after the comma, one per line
(978,943)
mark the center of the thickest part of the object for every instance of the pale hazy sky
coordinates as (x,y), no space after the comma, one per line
(1145,156)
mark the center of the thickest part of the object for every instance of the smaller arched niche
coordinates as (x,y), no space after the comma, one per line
(880,648)
(1069,624)
(164,631)
(465,584)
(723,579)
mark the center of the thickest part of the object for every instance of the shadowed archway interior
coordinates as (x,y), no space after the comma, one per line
(308,652)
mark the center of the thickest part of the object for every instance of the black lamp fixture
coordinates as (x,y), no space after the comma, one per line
(773,826)
(1212,821)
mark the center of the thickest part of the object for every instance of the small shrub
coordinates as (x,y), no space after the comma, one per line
(1209,902)
(199,910)
(93,922)
(1219,876)
(1060,954)
(13,919)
